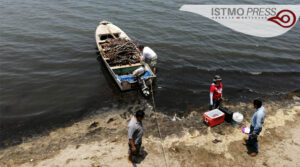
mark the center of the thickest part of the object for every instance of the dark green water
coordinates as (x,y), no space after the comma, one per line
(49,71)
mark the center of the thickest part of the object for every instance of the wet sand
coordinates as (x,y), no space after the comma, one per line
(101,140)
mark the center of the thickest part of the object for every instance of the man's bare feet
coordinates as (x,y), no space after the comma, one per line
(253,154)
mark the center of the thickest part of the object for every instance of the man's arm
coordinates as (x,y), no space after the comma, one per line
(131,142)
(222,91)
(142,57)
(130,138)
(211,94)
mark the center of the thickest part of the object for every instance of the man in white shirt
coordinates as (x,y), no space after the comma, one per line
(148,56)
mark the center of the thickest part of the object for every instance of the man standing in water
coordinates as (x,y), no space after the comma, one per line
(215,94)
(148,56)
(256,126)
(135,134)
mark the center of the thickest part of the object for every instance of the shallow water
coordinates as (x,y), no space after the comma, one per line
(49,71)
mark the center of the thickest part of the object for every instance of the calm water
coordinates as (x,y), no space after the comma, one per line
(49,71)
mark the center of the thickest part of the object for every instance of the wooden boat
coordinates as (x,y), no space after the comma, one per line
(107,32)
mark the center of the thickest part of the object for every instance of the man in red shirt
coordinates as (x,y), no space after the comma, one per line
(215,94)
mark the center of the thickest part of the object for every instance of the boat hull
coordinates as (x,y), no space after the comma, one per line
(123,85)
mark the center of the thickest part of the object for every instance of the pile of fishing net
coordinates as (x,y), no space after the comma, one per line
(121,52)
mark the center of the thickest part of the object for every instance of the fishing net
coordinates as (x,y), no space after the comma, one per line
(121,52)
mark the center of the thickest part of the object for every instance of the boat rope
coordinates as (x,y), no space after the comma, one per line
(161,140)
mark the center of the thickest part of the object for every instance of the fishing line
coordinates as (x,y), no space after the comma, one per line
(161,140)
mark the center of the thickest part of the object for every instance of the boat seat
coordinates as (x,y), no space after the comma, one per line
(126,66)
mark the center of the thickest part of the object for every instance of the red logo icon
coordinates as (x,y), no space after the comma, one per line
(284,18)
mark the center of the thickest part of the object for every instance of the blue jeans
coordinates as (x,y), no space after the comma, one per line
(253,139)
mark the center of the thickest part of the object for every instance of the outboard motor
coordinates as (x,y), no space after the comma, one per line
(141,81)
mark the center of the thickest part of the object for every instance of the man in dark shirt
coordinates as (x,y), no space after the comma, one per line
(135,134)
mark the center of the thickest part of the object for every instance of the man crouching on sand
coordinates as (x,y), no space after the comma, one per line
(135,134)
(256,126)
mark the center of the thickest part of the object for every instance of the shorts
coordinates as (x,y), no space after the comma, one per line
(217,103)
(151,62)
(138,149)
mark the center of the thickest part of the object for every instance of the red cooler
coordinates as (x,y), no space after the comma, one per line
(213,117)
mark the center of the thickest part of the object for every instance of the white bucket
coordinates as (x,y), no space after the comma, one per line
(237,117)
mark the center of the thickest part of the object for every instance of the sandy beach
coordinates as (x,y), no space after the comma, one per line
(101,141)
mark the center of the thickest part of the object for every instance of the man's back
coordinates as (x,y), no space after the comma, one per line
(135,131)
(148,53)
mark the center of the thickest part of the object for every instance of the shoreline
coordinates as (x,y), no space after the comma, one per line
(101,140)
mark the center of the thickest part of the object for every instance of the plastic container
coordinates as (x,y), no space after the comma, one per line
(245,130)
(237,117)
(228,114)
(213,117)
